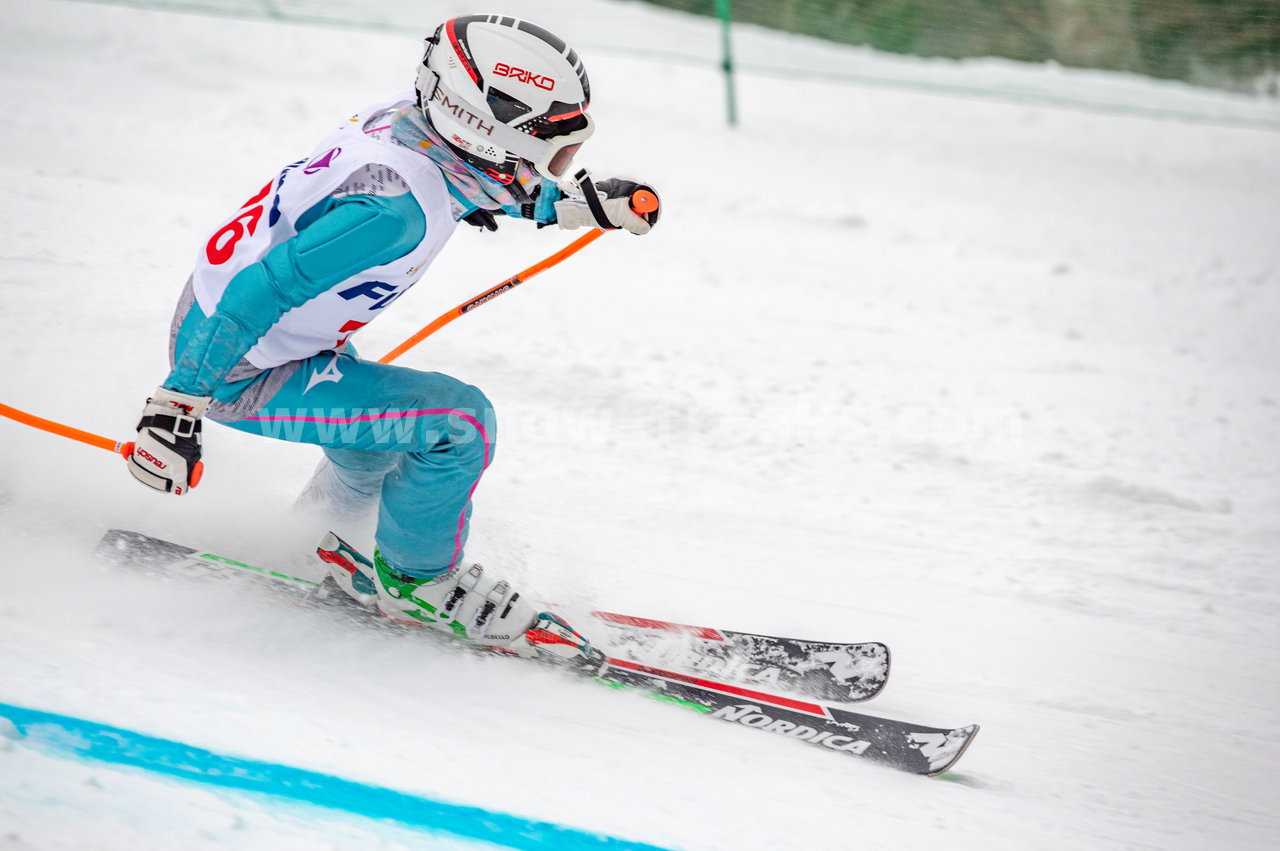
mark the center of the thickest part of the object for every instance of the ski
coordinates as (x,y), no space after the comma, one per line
(840,673)
(139,551)
(915,748)
(844,673)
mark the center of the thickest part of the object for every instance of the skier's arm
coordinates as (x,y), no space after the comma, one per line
(541,208)
(340,237)
(336,239)
(613,210)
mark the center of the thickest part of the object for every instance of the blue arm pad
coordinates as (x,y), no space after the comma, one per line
(544,208)
(338,238)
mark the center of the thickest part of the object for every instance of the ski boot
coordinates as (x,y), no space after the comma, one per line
(464,602)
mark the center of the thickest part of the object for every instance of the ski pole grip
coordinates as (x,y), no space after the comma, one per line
(644,200)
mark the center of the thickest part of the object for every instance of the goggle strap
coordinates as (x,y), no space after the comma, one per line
(428,79)
(523,145)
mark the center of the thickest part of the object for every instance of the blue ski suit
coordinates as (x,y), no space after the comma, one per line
(262,327)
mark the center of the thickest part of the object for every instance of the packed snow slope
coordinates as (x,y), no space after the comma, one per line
(996,384)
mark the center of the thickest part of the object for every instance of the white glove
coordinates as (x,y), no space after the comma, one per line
(166,454)
(615,207)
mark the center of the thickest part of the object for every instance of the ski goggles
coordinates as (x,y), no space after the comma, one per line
(550,156)
(562,149)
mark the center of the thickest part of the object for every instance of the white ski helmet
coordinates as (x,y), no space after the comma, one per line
(501,90)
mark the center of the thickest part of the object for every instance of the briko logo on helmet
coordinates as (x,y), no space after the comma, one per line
(502,92)
(504,70)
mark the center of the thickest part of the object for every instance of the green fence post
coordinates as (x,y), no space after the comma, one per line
(731,101)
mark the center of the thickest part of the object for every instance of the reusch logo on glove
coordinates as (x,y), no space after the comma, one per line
(543,82)
(153,459)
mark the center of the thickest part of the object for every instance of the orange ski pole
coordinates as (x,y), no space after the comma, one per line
(642,201)
(122,449)
(492,293)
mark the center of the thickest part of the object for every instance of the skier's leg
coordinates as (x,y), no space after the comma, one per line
(348,482)
(440,433)
(425,437)
(427,496)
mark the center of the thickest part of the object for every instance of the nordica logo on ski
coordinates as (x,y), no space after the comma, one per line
(749,715)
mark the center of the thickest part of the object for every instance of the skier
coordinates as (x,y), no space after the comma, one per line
(260,341)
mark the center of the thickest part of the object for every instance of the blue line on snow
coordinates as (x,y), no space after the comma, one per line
(125,747)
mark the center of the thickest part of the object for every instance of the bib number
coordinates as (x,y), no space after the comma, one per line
(223,243)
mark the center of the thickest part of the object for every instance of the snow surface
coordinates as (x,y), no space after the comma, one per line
(996,384)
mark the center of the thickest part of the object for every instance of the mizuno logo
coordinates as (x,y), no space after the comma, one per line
(323,161)
(329,373)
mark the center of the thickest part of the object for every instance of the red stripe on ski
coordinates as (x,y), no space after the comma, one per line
(648,623)
(724,688)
